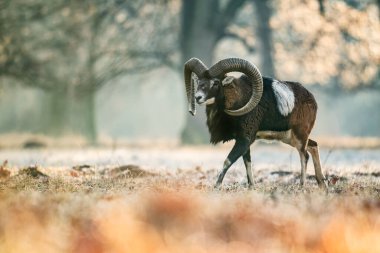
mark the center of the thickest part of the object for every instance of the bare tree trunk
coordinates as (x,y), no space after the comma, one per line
(203,26)
(322,9)
(72,114)
(198,39)
(57,113)
(198,36)
(264,36)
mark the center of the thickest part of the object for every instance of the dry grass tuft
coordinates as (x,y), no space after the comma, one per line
(4,172)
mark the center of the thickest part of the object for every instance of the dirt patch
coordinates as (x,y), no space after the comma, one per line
(32,172)
(129,171)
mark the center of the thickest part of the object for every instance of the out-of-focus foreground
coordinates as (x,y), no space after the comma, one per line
(177,220)
(162,200)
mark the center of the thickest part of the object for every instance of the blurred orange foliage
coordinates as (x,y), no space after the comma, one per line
(342,44)
(187,221)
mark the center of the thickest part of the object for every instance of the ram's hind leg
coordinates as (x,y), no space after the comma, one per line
(299,141)
(304,158)
(312,147)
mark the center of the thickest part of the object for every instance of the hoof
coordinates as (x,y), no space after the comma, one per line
(323,186)
(218,186)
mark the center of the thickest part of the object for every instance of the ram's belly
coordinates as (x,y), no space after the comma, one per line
(284,136)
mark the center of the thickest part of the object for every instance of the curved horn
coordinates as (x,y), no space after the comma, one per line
(239,65)
(193,65)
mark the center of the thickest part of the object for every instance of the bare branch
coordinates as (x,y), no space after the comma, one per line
(228,14)
(245,41)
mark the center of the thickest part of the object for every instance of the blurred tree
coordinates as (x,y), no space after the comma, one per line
(264,36)
(71,49)
(203,25)
(339,50)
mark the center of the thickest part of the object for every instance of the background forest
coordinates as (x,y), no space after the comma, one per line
(111,71)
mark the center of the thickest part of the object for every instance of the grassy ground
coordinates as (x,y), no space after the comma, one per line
(106,207)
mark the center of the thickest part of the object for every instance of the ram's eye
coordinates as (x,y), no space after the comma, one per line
(215,82)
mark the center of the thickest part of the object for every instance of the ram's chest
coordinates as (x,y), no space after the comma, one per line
(211,114)
(220,126)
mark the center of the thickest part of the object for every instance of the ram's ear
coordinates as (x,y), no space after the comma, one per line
(215,82)
(228,80)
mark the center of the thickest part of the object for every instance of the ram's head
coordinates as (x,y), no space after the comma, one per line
(209,81)
(207,90)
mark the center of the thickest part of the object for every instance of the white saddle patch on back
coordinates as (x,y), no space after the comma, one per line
(284,97)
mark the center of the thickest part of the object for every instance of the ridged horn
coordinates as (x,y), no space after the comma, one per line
(220,69)
(197,67)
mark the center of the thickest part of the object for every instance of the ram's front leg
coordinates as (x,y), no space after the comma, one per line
(240,148)
(248,167)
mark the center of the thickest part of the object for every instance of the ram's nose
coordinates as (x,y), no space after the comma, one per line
(198,98)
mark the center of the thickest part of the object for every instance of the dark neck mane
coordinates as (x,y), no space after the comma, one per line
(222,127)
